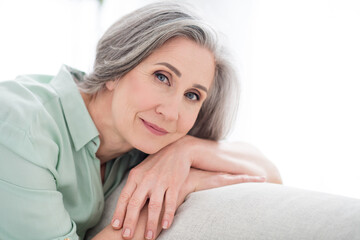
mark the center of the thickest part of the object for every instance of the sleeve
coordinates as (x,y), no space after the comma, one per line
(30,205)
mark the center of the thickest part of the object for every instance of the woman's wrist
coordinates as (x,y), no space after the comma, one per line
(188,147)
(235,158)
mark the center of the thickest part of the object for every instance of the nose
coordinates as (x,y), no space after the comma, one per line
(170,108)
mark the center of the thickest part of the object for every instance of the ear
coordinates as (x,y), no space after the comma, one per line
(111,85)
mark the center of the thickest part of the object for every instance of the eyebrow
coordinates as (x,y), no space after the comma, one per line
(171,67)
(178,73)
(200,87)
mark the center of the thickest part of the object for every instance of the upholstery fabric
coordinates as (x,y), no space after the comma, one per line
(257,211)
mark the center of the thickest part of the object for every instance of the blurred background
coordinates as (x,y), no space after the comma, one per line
(299,63)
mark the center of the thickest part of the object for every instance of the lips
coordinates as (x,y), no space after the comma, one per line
(154,128)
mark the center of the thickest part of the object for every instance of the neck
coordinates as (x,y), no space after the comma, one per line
(112,144)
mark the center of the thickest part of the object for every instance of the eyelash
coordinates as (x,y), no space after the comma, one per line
(157,75)
(196,95)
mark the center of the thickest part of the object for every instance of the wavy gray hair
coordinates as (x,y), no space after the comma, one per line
(135,36)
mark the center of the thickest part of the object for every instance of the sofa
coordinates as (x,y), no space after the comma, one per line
(257,211)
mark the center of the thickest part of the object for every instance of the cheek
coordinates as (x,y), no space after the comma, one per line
(140,95)
(133,97)
(188,121)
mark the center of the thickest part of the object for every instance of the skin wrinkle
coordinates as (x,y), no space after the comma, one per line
(140,96)
(178,73)
(148,29)
(171,67)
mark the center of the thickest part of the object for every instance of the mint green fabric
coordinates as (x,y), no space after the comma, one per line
(50,184)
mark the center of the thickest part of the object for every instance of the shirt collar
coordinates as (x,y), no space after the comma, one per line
(81,127)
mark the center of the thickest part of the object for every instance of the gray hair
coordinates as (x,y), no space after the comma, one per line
(135,36)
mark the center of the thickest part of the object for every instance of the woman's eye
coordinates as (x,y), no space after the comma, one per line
(162,78)
(192,96)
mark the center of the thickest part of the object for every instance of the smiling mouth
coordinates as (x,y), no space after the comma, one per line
(154,129)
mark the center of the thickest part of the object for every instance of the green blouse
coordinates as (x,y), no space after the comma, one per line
(50,184)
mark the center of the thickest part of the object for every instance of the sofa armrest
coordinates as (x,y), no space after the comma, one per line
(257,211)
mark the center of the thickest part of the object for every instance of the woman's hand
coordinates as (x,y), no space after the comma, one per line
(158,178)
(197,180)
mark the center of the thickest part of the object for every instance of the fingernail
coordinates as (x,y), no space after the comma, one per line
(126,232)
(116,223)
(165,224)
(149,235)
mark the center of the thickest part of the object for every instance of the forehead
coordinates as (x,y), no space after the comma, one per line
(193,61)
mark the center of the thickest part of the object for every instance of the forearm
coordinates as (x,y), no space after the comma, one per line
(235,158)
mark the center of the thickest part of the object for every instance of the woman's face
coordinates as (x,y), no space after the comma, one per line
(158,101)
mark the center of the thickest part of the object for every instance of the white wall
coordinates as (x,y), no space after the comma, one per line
(299,63)
(37,36)
(305,80)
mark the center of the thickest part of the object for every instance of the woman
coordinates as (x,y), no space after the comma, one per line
(160,86)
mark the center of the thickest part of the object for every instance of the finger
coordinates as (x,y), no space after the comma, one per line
(154,210)
(171,198)
(247,178)
(120,210)
(136,203)
(229,179)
